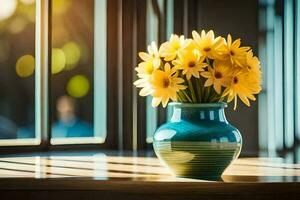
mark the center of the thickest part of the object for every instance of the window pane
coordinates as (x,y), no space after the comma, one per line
(298,70)
(288,73)
(152,35)
(17,72)
(78,80)
(152,30)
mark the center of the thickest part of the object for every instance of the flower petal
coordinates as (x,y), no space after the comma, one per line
(155,101)
(144,56)
(196,36)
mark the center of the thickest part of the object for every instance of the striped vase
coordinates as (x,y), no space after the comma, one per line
(198,142)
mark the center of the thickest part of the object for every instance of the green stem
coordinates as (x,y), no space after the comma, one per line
(207,61)
(198,90)
(221,99)
(181,97)
(208,89)
(178,97)
(192,91)
(215,97)
(187,96)
(212,95)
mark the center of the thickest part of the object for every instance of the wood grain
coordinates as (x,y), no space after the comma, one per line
(141,177)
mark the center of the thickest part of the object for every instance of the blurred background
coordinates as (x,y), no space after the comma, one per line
(71,79)
(17,61)
(93,55)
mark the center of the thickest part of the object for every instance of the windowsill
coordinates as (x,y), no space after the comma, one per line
(19,142)
(77,140)
(109,172)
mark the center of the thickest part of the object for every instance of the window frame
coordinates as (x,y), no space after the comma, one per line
(126,123)
(279,122)
(43,48)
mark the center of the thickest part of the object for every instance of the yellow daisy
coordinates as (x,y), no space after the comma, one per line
(219,75)
(253,65)
(242,86)
(145,70)
(208,44)
(234,52)
(151,62)
(169,49)
(190,62)
(144,83)
(165,84)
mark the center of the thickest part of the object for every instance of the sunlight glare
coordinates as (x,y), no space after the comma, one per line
(7,8)
(27,2)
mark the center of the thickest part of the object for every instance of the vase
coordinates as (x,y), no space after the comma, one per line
(198,142)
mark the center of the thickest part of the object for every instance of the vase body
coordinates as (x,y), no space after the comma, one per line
(198,142)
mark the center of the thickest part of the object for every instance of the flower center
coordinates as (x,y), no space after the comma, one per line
(165,82)
(218,75)
(235,80)
(207,49)
(149,69)
(192,64)
(176,46)
(231,53)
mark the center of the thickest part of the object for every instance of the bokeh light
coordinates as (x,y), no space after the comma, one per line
(25,66)
(17,25)
(58,60)
(7,8)
(60,6)
(72,53)
(27,11)
(78,86)
(27,2)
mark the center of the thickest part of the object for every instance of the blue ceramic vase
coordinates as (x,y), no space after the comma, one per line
(198,142)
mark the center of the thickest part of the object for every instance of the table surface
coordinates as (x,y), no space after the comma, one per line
(111,177)
(103,167)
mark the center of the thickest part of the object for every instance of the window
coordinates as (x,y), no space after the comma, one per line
(279,104)
(62,101)
(79,93)
(158,32)
(153,29)
(297,72)
(17,73)
(78,74)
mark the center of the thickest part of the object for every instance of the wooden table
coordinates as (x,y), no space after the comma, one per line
(100,176)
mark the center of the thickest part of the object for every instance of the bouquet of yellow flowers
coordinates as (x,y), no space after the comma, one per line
(204,69)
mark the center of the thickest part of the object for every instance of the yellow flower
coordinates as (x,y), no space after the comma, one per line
(244,86)
(165,84)
(232,70)
(151,62)
(234,52)
(191,63)
(169,49)
(208,44)
(253,66)
(218,76)
(145,71)
(144,83)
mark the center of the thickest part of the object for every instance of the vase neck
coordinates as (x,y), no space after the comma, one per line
(198,114)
